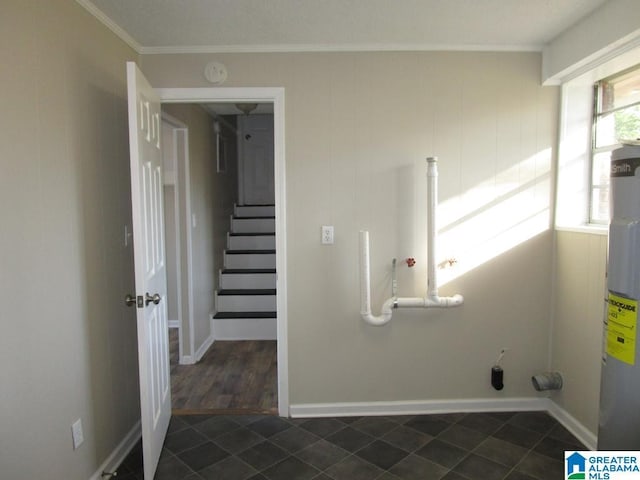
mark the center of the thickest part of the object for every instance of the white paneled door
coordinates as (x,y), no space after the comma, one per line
(150,265)
(256,149)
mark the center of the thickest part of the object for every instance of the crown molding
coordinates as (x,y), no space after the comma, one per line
(111,25)
(341,48)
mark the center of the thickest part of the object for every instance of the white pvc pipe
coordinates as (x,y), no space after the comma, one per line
(432,300)
(365,287)
(432,201)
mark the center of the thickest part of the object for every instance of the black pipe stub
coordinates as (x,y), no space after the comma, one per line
(497,377)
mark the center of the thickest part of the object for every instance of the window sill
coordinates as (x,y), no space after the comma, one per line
(589,228)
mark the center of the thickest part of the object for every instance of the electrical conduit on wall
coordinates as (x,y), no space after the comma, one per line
(432,299)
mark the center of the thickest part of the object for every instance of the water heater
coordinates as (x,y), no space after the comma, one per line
(619,421)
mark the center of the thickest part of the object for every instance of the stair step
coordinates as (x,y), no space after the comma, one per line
(253,225)
(251,241)
(230,315)
(259,278)
(252,234)
(246,301)
(247,271)
(239,259)
(248,291)
(254,210)
(251,252)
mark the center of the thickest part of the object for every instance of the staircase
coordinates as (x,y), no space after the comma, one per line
(246,300)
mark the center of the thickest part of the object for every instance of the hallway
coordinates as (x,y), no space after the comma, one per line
(232,377)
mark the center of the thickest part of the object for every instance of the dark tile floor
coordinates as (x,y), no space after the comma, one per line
(473,446)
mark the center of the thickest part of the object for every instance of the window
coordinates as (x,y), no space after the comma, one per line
(616,118)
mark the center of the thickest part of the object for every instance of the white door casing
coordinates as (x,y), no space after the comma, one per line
(150,265)
(274,95)
(255,174)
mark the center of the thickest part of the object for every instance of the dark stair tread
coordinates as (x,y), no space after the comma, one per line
(245,315)
(257,205)
(247,291)
(252,234)
(254,217)
(248,270)
(244,252)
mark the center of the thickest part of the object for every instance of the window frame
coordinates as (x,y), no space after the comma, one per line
(598,115)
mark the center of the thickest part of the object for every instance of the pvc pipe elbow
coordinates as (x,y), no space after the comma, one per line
(383,318)
(456,300)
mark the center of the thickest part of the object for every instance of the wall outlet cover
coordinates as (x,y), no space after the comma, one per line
(77,434)
(327,234)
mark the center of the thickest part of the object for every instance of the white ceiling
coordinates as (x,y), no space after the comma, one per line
(154,26)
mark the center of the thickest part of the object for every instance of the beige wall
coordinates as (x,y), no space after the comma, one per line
(358,127)
(68,343)
(211,197)
(580,290)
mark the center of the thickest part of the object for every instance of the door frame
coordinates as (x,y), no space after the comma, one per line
(182,211)
(274,95)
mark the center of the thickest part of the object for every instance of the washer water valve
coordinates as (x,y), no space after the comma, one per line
(497,374)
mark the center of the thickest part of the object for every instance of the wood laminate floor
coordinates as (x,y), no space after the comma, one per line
(232,377)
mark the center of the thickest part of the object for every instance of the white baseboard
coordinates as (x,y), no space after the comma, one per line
(203,348)
(578,430)
(187,360)
(417,407)
(118,455)
(426,407)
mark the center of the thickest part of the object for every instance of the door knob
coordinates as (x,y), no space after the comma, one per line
(155,298)
(130,300)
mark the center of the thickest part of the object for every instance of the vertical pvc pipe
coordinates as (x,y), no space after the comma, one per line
(365,278)
(365,288)
(432,200)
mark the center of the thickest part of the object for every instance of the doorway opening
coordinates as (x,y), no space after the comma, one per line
(196,339)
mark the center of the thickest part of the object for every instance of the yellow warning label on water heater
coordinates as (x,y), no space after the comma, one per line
(622,316)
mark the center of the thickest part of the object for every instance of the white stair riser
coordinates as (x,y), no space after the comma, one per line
(246,303)
(235,281)
(253,225)
(248,260)
(255,211)
(253,242)
(245,329)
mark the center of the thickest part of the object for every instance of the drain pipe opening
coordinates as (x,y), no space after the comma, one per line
(547,381)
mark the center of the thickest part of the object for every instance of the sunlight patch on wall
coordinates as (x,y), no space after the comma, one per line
(495,216)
